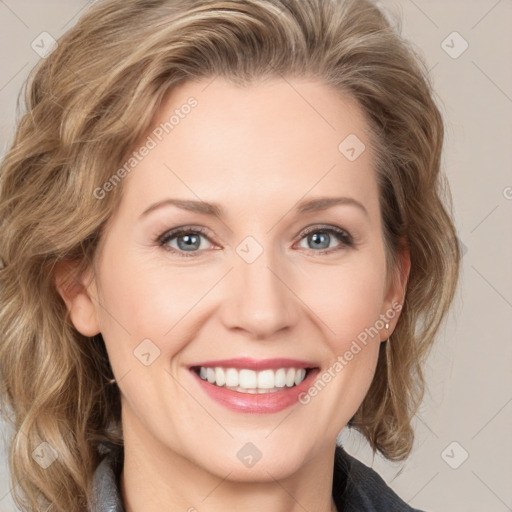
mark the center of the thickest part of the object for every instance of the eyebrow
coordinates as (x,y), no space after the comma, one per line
(204,208)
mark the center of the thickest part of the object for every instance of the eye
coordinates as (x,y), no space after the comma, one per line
(188,240)
(321,237)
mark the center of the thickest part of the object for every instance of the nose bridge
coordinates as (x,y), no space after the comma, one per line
(259,300)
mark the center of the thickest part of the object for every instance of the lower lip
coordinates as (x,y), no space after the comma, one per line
(257,403)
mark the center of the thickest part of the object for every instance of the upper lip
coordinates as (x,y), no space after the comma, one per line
(256,364)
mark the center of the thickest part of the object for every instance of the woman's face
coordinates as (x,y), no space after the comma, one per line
(274,274)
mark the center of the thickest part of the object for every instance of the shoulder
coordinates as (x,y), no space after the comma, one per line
(362,488)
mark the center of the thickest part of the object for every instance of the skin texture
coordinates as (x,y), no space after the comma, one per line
(257,152)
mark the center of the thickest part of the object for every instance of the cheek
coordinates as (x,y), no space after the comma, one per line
(347,297)
(141,299)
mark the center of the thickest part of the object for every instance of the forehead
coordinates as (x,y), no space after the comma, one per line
(250,146)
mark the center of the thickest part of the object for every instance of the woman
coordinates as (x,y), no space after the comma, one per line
(223,240)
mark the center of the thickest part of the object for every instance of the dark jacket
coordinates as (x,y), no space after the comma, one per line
(355,488)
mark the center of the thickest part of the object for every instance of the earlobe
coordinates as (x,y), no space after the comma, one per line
(396,292)
(76,292)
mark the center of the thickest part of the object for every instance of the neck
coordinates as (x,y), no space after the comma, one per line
(154,474)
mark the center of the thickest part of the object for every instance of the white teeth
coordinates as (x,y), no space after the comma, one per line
(231,377)
(220,376)
(210,375)
(280,378)
(299,376)
(290,377)
(265,379)
(250,381)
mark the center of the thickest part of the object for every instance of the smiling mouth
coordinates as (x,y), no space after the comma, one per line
(245,380)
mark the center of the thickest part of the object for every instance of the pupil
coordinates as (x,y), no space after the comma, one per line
(318,242)
(190,241)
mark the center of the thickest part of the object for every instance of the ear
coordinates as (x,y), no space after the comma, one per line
(77,292)
(397,286)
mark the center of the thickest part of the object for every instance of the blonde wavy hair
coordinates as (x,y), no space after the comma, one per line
(92,99)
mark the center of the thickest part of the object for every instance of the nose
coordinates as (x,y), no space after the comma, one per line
(260,298)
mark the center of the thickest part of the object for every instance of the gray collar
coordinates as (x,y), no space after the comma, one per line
(106,494)
(356,487)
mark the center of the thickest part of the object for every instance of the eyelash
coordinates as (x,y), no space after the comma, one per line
(344,236)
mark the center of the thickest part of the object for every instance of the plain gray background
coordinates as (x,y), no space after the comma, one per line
(462,459)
